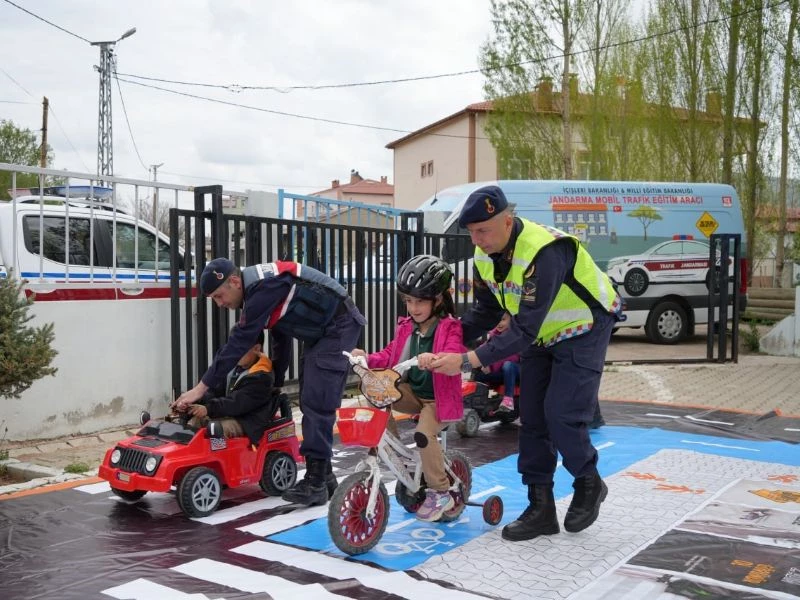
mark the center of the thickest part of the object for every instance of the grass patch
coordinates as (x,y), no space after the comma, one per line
(77,467)
(750,336)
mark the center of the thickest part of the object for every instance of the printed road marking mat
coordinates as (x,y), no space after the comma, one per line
(688,515)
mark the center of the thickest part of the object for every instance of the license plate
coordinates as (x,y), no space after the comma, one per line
(123,477)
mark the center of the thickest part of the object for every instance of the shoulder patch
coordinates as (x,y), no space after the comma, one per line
(530,271)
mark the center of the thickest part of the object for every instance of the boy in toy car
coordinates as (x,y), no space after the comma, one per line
(247,404)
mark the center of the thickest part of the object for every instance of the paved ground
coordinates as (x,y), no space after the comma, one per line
(756,384)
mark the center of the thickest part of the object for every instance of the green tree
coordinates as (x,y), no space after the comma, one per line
(646,215)
(25,351)
(19,147)
(532,42)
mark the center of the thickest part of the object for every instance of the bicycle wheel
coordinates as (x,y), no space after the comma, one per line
(410,502)
(459,464)
(350,529)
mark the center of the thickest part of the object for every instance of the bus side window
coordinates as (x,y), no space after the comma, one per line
(54,231)
(127,252)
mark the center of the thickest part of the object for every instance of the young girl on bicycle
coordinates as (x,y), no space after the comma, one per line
(424,285)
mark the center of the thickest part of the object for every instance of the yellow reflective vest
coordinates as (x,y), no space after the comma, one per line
(569,315)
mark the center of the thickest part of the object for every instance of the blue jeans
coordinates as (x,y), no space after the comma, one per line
(508,376)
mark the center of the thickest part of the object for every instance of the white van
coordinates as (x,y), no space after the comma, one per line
(102,278)
(651,237)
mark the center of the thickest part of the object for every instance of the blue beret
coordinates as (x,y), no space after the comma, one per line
(215,274)
(482,204)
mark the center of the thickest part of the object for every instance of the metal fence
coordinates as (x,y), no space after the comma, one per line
(363,259)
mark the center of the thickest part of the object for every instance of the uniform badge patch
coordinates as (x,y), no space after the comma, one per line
(528,291)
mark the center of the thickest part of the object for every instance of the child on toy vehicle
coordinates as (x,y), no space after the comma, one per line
(505,371)
(248,403)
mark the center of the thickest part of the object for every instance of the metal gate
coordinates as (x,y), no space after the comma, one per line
(363,259)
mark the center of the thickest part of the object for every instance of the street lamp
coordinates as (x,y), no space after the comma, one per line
(105,146)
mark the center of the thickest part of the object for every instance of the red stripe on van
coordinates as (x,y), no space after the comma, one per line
(84,294)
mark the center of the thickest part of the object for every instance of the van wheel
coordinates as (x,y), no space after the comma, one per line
(636,282)
(667,323)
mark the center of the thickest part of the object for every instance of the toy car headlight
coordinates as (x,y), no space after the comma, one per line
(115,456)
(150,464)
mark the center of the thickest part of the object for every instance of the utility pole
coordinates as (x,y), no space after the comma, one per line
(43,153)
(105,142)
(155,193)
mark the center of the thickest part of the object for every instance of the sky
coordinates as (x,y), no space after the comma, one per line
(244,43)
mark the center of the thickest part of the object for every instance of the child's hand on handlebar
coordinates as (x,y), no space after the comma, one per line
(425,361)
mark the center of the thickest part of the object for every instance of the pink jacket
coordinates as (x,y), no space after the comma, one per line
(447,338)
(498,366)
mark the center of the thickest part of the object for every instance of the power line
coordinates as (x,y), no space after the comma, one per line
(265,110)
(17,83)
(50,110)
(237,88)
(125,112)
(69,141)
(35,16)
(293,115)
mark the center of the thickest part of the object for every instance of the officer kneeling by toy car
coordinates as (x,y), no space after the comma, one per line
(239,435)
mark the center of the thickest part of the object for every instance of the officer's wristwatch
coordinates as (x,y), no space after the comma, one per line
(466,366)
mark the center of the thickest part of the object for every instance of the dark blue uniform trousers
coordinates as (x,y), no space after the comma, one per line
(558,395)
(323,375)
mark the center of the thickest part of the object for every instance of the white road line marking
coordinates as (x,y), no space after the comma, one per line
(696,420)
(662,416)
(400,525)
(278,523)
(94,488)
(236,512)
(246,580)
(142,589)
(397,583)
(491,490)
(721,446)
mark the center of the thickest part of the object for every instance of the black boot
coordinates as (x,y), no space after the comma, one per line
(312,490)
(538,519)
(584,509)
(330,479)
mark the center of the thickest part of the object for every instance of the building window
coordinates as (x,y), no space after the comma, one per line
(426,169)
(423,170)
(516,168)
(430,168)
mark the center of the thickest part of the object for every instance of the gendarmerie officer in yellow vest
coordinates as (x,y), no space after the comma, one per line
(563,310)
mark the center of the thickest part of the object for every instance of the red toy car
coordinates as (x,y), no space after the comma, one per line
(479,406)
(167,453)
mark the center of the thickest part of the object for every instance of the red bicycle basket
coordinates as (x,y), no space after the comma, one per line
(361,426)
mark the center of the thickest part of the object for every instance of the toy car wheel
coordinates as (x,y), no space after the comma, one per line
(350,528)
(469,423)
(280,473)
(667,323)
(493,510)
(129,496)
(410,502)
(459,465)
(636,282)
(199,492)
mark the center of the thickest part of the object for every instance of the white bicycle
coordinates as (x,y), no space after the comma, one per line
(359,509)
